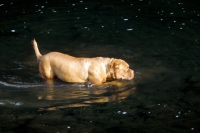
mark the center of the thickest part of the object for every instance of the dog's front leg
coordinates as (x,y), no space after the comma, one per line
(96,80)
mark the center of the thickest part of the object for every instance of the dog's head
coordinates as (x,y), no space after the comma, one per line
(119,69)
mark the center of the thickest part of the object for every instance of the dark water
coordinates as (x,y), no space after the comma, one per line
(159,39)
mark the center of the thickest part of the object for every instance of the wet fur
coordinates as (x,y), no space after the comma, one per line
(81,70)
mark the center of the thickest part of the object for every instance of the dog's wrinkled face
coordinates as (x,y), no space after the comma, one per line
(119,69)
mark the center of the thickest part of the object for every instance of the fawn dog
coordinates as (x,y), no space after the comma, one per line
(93,71)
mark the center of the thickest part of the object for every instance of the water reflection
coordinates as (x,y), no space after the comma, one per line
(80,95)
(59,95)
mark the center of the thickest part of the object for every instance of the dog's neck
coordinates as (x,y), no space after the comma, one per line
(108,71)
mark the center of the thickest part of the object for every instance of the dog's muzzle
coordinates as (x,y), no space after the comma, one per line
(130,74)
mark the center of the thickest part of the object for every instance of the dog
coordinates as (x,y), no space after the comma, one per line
(94,71)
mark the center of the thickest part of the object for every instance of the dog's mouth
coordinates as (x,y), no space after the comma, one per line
(130,74)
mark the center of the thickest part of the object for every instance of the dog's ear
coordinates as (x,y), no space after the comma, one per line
(114,65)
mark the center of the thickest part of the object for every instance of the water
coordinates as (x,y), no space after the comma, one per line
(159,40)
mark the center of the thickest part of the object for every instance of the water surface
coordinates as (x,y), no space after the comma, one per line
(159,39)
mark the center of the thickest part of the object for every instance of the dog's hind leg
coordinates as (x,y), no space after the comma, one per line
(46,70)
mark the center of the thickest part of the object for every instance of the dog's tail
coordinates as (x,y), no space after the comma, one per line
(37,52)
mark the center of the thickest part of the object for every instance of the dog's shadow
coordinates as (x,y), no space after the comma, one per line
(77,95)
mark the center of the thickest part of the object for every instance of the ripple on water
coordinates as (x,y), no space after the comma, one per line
(21,85)
(9,102)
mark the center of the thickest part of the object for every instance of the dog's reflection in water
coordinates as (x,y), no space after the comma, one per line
(77,95)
